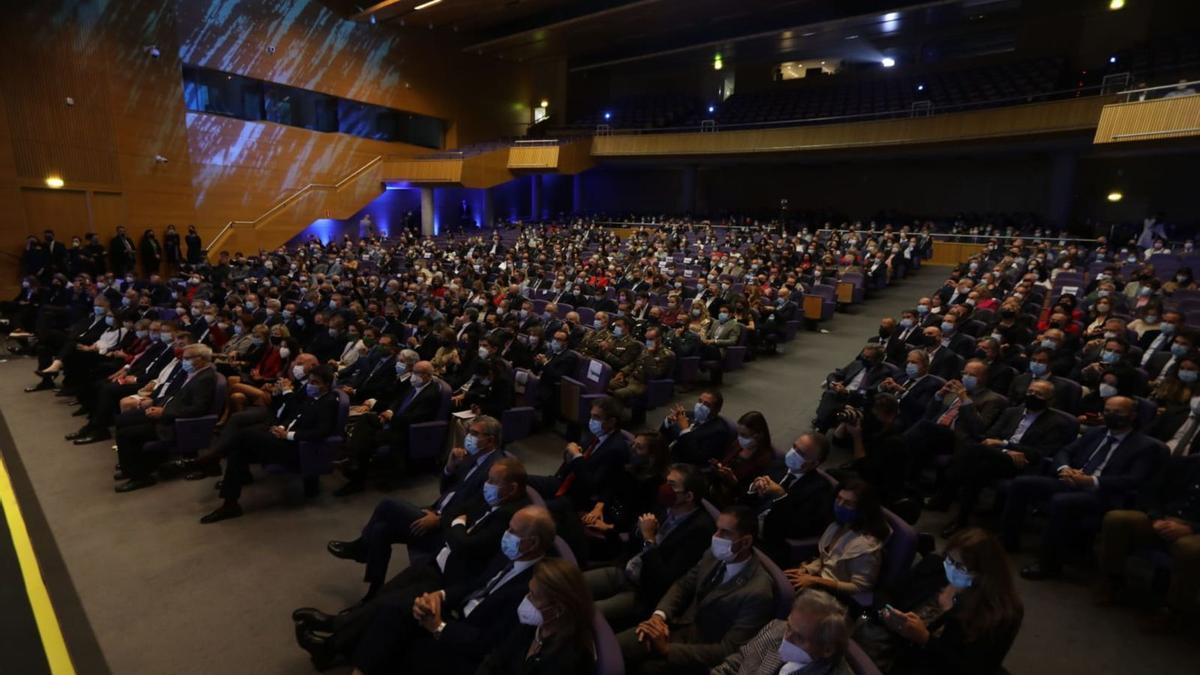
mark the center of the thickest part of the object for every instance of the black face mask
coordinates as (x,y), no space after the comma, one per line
(1007,314)
(1034,403)
(1116,421)
(884,333)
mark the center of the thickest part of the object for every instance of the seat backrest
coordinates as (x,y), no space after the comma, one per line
(859,662)
(609,660)
(343,410)
(534,496)
(562,550)
(1146,411)
(219,393)
(444,405)
(784,593)
(711,508)
(898,551)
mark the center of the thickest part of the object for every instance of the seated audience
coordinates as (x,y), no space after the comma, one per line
(850,551)
(811,640)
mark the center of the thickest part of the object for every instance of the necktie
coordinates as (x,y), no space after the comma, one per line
(491,585)
(1100,456)
(788,481)
(713,580)
(949,417)
(569,480)
(407,400)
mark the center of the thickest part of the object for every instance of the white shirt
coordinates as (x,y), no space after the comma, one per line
(1027,421)
(518,567)
(479,459)
(461,521)
(110,339)
(733,569)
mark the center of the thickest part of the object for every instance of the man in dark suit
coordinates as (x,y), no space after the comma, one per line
(1159,339)
(957,415)
(700,435)
(585,469)
(1164,363)
(711,611)
(794,501)
(958,342)
(894,338)
(469,532)
(1014,444)
(550,366)
(1039,371)
(122,252)
(54,344)
(447,627)
(1179,428)
(417,398)
(315,421)
(850,385)
(100,399)
(1095,473)
(192,399)
(914,389)
(662,548)
(943,361)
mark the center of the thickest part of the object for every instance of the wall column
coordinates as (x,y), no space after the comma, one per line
(1062,188)
(535,196)
(687,192)
(487,210)
(426,212)
(576,193)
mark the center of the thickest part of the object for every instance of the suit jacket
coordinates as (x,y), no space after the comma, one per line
(803,512)
(1049,432)
(962,344)
(914,402)
(1130,466)
(316,419)
(422,408)
(724,334)
(1157,367)
(471,637)
(465,483)
(563,363)
(1020,385)
(760,656)
(671,558)
(946,364)
(193,399)
(704,442)
(591,473)
(973,419)
(1168,422)
(473,545)
(876,374)
(709,624)
(554,658)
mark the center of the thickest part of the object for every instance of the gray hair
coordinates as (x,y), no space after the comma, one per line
(200,350)
(831,631)
(409,356)
(490,426)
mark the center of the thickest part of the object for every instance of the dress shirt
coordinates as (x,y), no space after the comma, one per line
(460,521)
(479,459)
(1027,421)
(1180,442)
(518,567)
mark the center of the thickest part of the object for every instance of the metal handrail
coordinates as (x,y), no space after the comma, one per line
(289,199)
(1128,93)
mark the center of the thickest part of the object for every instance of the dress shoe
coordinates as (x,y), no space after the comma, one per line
(223,512)
(351,487)
(319,648)
(313,619)
(44,385)
(1039,572)
(82,412)
(78,434)
(93,437)
(202,472)
(135,484)
(346,550)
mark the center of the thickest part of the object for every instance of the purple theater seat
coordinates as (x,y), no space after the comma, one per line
(687,369)
(898,552)
(576,394)
(859,662)
(609,660)
(784,593)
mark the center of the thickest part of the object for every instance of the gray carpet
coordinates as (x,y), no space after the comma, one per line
(166,595)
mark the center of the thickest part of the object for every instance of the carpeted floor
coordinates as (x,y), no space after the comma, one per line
(166,595)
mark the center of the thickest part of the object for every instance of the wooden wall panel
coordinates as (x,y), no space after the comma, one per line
(1151,120)
(543,157)
(1037,118)
(58,210)
(108,211)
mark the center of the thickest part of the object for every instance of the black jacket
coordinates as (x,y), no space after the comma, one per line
(552,659)
(679,550)
(706,441)
(804,512)
(1130,467)
(1049,432)
(592,473)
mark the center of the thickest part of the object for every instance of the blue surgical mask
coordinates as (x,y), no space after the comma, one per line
(471,444)
(597,324)
(98,310)
(1188,376)
(957,578)
(401,367)
(906,323)
(1050,344)
(844,515)
(745,441)
(1107,390)
(700,413)
(596,427)
(1179,350)
(1108,356)
(510,545)
(618,332)
(188,366)
(970,382)
(922,309)
(491,494)
(1037,368)
(1167,329)
(555,346)
(312,390)
(912,370)
(110,320)
(790,653)
(723,317)
(947,327)
(794,460)
(166,337)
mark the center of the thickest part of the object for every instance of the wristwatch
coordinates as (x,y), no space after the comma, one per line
(437,632)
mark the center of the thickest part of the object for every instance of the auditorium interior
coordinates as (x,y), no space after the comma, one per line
(600,337)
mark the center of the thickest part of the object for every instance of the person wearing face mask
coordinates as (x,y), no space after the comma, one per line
(1014,445)
(957,415)
(550,365)
(1164,363)
(653,361)
(849,386)
(793,501)
(1159,337)
(414,398)
(667,541)
(850,551)
(749,456)
(954,613)
(556,632)
(448,627)
(720,335)
(459,548)
(709,612)
(586,469)
(315,420)
(600,334)
(54,345)
(698,435)
(1095,473)
(1178,398)
(811,641)
(376,376)
(192,392)
(621,349)
(914,389)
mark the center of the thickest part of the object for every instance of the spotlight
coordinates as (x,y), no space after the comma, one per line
(54,182)
(1112,59)
(545,103)
(891,16)
(888,62)
(1115,195)
(920,87)
(1114,5)
(607,115)
(712,109)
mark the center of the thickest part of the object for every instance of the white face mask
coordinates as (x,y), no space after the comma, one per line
(790,653)
(722,549)
(529,615)
(298,372)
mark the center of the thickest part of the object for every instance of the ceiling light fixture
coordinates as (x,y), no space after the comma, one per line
(54,182)
(888,62)
(1114,5)
(891,16)
(1115,196)
(427,5)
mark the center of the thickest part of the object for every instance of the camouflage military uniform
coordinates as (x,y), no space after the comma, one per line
(649,365)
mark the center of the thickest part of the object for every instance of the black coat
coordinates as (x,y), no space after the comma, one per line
(1130,467)
(706,441)
(592,473)
(1049,432)
(804,512)
(665,562)
(552,659)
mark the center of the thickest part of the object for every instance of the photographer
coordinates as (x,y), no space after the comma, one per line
(875,439)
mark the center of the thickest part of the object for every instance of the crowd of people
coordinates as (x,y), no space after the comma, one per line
(677,537)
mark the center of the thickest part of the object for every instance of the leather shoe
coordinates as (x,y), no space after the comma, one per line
(346,550)
(135,484)
(352,487)
(311,618)
(78,434)
(223,512)
(1039,572)
(44,385)
(207,471)
(82,412)
(319,648)
(94,437)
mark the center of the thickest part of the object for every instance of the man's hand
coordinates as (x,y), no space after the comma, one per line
(457,455)
(723,472)
(431,614)
(424,524)
(654,628)
(386,416)
(837,387)
(572,451)
(1172,530)
(765,487)
(594,516)
(1018,458)
(801,579)
(993,443)
(154,412)
(457,399)
(279,432)
(648,525)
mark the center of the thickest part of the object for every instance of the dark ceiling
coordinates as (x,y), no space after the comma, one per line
(597,33)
